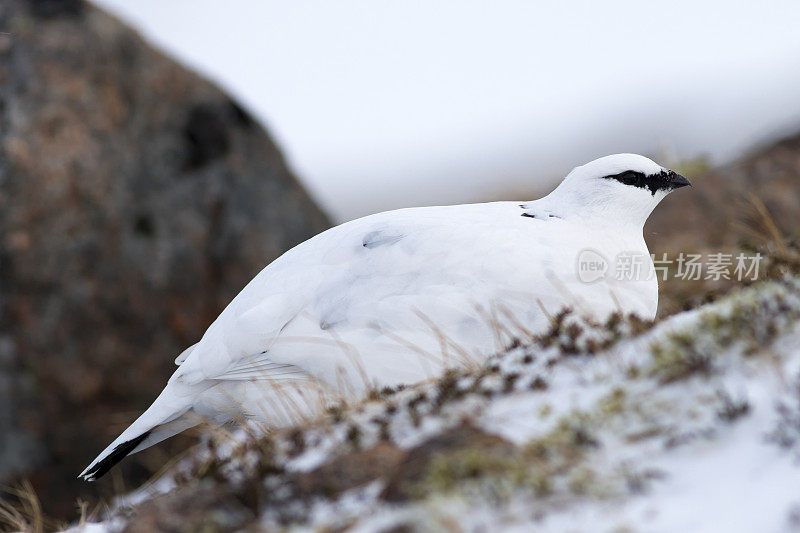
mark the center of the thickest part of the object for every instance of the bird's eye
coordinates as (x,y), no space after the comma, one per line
(629,177)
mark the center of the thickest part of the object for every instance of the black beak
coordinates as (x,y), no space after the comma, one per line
(676,181)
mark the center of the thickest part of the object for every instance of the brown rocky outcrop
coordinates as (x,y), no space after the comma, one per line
(136,199)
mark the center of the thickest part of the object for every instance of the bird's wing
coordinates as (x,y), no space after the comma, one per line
(184,354)
(259,367)
(357,274)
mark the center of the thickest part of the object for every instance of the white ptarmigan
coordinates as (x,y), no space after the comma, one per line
(399,296)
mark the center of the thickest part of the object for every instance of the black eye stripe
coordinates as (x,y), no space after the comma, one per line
(652,183)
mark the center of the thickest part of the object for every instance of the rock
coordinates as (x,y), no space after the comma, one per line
(416,465)
(136,199)
(350,470)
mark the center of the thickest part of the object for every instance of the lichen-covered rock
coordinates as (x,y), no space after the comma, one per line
(410,477)
(136,199)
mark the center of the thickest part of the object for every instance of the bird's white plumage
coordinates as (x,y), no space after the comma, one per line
(398,296)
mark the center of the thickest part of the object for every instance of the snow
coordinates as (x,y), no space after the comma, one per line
(665,456)
(734,481)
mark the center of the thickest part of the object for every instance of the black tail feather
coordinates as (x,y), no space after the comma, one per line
(114,457)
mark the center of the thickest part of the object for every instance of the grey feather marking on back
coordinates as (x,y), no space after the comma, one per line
(374,239)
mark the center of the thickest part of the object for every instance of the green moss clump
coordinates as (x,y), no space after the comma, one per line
(749,323)
(613,403)
(565,445)
(582,480)
(454,471)
(678,357)
(534,467)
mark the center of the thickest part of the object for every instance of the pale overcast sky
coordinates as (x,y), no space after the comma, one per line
(381,104)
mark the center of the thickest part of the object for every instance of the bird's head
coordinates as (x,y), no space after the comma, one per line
(620,188)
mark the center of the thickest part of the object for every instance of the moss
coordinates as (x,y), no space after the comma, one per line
(538,383)
(413,408)
(565,445)
(633,371)
(535,467)
(613,403)
(374,394)
(638,481)
(732,409)
(576,335)
(678,357)
(336,412)
(487,393)
(385,433)
(755,318)
(297,442)
(353,436)
(582,480)
(447,472)
(509,380)
(749,322)
(447,388)
(645,434)
(786,433)
(383,424)
(416,400)
(514,344)
(389,391)
(458,470)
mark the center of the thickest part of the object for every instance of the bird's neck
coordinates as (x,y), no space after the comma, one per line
(597,209)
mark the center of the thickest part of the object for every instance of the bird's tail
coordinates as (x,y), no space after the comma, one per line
(164,418)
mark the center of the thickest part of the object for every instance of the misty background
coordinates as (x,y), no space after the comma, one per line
(137,198)
(379,105)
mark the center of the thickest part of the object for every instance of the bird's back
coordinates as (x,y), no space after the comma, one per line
(400,295)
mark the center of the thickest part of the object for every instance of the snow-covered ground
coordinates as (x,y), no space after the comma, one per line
(691,425)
